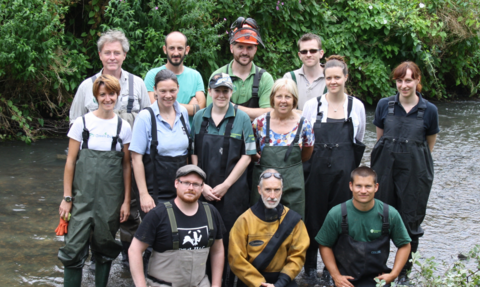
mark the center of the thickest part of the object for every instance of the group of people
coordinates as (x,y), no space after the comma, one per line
(246,184)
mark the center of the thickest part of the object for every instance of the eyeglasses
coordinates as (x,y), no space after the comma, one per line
(269,175)
(187,184)
(312,51)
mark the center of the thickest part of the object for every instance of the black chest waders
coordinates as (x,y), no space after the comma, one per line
(363,260)
(327,173)
(160,170)
(218,156)
(404,166)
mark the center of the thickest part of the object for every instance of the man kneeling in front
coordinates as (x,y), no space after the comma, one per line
(182,232)
(355,237)
(269,241)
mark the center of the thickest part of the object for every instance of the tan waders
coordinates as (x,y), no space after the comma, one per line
(180,268)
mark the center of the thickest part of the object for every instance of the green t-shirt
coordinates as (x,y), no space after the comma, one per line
(242,91)
(241,127)
(363,226)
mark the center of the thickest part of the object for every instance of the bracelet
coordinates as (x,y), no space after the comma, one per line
(196,108)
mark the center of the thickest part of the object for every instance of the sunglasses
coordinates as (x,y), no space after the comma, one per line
(312,51)
(269,175)
(238,24)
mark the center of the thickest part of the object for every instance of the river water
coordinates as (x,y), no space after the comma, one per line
(31,187)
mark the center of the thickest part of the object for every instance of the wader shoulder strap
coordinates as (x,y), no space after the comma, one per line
(284,230)
(391,108)
(296,139)
(226,142)
(267,129)
(153,152)
(131,97)
(344,219)
(256,81)
(173,225)
(349,107)
(208,212)
(116,139)
(319,113)
(294,78)
(182,119)
(385,221)
(85,134)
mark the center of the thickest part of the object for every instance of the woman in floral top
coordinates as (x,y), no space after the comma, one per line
(286,140)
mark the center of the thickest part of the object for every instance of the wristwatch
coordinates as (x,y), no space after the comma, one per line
(68,198)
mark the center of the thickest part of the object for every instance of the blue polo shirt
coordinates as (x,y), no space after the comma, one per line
(171,141)
(430,117)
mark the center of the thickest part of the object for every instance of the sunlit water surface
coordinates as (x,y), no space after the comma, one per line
(31,187)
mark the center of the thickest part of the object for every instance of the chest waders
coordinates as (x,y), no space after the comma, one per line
(181,268)
(287,160)
(404,167)
(160,170)
(217,156)
(128,228)
(363,260)
(253,102)
(327,173)
(98,191)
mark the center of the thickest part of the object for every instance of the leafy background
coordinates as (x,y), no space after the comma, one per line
(49,46)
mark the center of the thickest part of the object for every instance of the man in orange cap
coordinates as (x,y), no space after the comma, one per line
(252,84)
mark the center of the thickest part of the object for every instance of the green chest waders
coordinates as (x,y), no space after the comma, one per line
(287,160)
(181,268)
(98,191)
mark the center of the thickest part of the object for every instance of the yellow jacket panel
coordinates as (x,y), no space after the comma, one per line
(250,235)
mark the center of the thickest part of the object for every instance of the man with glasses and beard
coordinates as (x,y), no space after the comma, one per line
(191,93)
(269,241)
(252,84)
(309,78)
(184,233)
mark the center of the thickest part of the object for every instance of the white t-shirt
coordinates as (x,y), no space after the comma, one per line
(101,132)
(358,114)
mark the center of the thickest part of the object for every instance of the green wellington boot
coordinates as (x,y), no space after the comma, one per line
(102,271)
(72,277)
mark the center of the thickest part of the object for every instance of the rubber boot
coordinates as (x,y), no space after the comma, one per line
(125,262)
(72,277)
(327,278)
(403,277)
(102,271)
(310,266)
(146,259)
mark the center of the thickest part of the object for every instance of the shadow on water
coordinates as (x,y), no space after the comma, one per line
(31,187)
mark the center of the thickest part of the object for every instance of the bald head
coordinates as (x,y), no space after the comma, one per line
(176,36)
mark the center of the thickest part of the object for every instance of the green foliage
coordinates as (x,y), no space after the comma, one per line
(49,46)
(424,273)
(39,66)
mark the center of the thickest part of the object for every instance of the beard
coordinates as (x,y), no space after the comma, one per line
(270,205)
(189,199)
(176,64)
(238,57)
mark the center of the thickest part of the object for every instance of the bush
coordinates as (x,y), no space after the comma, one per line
(39,66)
(48,44)
(456,275)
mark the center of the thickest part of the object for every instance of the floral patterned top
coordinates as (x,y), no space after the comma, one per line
(307,137)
